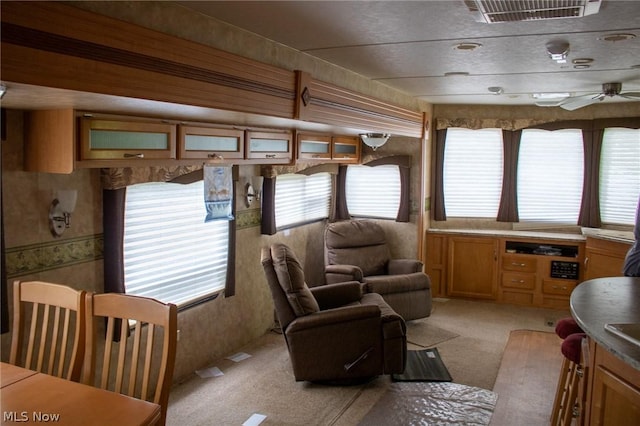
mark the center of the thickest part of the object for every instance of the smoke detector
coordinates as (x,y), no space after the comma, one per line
(558,50)
(495,11)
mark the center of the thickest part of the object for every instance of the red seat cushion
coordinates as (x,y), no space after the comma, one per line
(567,326)
(571,347)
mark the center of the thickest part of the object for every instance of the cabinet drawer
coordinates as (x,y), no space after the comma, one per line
(516,280)
(563,288)
(522,264)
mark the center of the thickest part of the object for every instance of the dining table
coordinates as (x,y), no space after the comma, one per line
(31,397)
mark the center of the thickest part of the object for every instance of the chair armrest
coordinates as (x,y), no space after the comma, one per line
(346,314)
(341,273)
(336,295)
(404,266)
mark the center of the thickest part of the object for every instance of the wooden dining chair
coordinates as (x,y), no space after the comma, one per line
(135,361)
(50,319)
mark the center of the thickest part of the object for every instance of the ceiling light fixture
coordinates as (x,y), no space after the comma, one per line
(456,74)
(496,90)
(617,37)
(581,66)
(467,46)
(551,95)
(374,140)
(582,61)
(558,50)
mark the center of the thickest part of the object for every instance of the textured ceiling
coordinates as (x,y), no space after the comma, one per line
(410,46)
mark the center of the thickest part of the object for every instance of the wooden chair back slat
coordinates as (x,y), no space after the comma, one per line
(54,345)
(135,361)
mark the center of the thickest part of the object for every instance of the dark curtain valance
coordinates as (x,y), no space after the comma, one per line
(304,168)
(530,123)
(115,178)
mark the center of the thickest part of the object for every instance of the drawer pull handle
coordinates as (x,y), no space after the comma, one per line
(270,156)
(139,155)
(556,287)
(518,281)
(518,264)
(215,156)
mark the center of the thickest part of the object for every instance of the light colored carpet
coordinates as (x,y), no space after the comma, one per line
(264,383)
(423,333)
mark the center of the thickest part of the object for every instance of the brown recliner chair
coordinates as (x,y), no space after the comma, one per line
(356,250)
(334,333)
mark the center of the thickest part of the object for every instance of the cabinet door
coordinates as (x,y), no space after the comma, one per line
(118,140)
(604,258)
(269,146)
(345,149)
(472,267)
(210,143)
(435,262)
(599,264)
(314,147)
(614,400)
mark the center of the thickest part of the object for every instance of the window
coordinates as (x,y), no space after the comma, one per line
(472,175)
(373,191)
(550,175)
(170,252)
(620,175)
(301,199)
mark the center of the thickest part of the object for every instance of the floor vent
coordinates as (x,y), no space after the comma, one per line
(495,11)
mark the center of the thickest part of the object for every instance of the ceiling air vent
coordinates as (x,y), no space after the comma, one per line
(494,11)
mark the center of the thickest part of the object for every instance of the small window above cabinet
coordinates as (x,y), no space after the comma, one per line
(343,149)
(269,147)
(107,139)
(210,143)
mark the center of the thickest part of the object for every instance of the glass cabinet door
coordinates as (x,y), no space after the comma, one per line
(314,147)
(346,149)
(269,146)
(123,140)
(210,143)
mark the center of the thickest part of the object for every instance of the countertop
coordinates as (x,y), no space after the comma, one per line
(603,234)
(609,300)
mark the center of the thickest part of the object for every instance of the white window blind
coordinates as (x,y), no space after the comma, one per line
(472,174)
(620,175)
(373,191)
(302,199)
(170,253)
(550,176)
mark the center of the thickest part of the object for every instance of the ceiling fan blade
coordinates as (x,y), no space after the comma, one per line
(581,101)
(631,95)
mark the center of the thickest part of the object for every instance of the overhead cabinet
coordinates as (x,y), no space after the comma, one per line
(269,147)
(103,139)
(58,141)
(343,149)
(210,143)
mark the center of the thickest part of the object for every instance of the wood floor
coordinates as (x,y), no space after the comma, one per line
(527,379)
